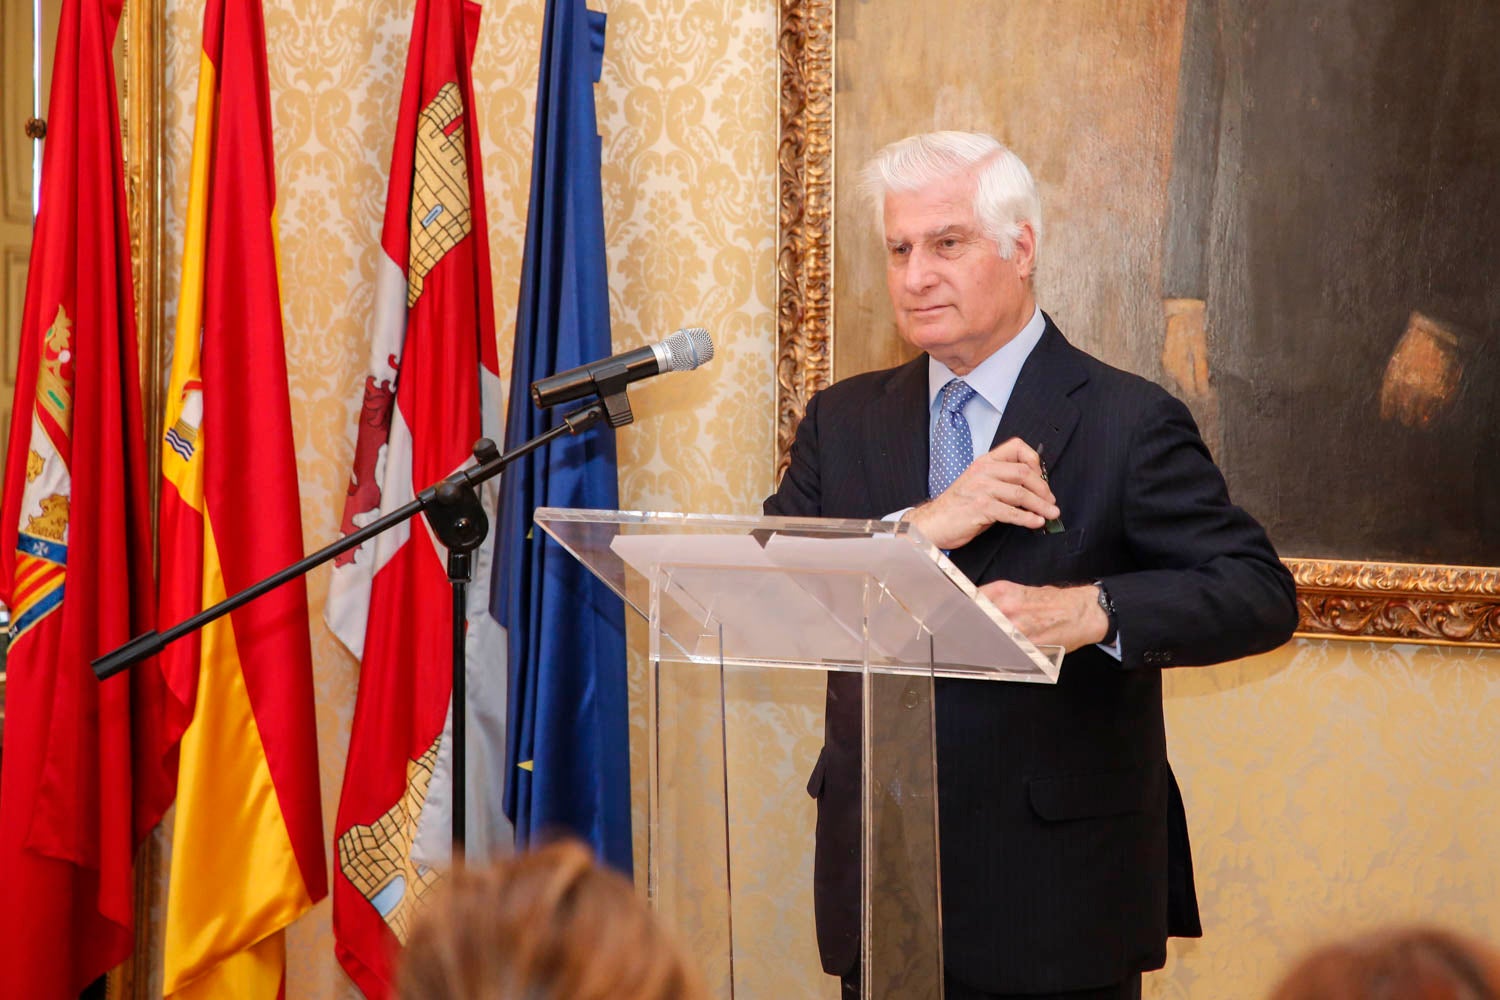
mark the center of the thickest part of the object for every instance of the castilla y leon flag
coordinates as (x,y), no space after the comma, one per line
(75,553)
(431,390)
(247,853)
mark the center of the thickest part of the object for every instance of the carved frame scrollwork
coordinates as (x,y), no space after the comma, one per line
(1398,602)
(141,104)
(1388,602)
(141,110)
(804,259)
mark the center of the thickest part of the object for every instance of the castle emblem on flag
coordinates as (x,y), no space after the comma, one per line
(440,216)
(54,381)
(377,858)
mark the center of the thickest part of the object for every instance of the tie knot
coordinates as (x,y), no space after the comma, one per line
(955,394)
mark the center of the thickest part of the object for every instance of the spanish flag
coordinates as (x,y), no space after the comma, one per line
(247,854)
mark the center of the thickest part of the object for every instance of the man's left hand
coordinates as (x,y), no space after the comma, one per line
(1051,616)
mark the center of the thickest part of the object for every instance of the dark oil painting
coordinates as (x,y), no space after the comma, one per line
(1286,212)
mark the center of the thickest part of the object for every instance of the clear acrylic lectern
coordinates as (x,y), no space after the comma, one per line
(746,617)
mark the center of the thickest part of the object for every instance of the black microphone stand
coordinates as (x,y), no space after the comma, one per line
(457,517)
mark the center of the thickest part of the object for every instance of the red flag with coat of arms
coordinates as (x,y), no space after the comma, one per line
(76,793)
(431,390)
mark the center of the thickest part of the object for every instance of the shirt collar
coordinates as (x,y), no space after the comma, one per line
(995,376)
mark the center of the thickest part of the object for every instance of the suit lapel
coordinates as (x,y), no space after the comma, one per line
(896,428)
(1040,412)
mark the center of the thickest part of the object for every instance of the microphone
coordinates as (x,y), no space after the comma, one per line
(682,352)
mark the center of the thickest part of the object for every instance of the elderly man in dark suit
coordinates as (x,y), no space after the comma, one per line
(1064,849)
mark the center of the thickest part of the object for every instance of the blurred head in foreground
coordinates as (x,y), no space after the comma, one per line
(1409,963)
(547,925)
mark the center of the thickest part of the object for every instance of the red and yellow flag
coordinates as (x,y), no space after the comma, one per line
(75,553)
(247,855)
(431,389)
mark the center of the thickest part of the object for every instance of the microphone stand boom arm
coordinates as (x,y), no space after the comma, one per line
(444,493)
(457,517)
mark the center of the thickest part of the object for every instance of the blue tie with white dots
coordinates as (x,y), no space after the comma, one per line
(952,444)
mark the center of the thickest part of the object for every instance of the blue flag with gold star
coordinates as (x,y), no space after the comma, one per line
(568,769)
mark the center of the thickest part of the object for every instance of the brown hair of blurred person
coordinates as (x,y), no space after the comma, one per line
(546,925)
(1413,963)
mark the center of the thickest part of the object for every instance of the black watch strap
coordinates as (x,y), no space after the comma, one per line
(1108,607)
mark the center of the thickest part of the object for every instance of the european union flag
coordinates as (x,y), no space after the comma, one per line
(569,762)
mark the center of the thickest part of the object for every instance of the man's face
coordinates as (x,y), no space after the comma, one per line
(953,294)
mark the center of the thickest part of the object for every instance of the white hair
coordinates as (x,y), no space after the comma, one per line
(1005,195)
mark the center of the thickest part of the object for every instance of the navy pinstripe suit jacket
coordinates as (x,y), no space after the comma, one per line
(1064,850)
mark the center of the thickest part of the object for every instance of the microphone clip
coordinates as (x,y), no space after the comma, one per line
(610,382)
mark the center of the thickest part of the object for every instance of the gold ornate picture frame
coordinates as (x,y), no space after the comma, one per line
(1381,601)
(141,79)
(141,105)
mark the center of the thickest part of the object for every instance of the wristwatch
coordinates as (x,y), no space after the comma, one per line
(1108,606)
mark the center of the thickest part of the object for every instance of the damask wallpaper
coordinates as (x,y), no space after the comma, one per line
(687,113)
(1328,785)
(1332,787)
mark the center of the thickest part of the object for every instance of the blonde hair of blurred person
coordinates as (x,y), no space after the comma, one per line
(1409,963)
(551,924)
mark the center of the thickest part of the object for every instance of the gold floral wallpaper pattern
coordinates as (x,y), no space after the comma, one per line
(1332,787)
(686,109)
(1329,785)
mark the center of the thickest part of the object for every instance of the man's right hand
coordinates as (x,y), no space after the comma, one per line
(1002,486)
